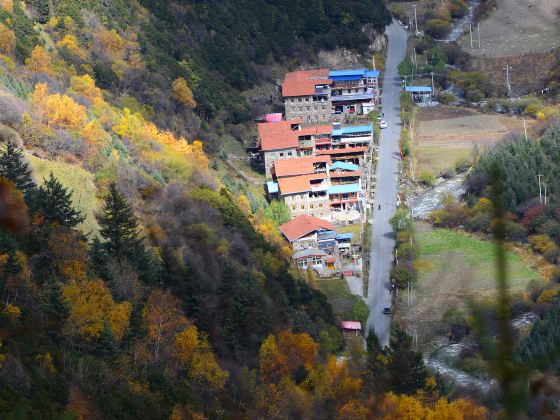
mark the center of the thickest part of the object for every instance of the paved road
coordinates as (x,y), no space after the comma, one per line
(382,239)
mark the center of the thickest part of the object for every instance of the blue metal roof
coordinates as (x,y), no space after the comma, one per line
(344,189)
(355,97)
(344,165)
(343,236)
(352,74)
(418,89)
(272,187)
(352,130)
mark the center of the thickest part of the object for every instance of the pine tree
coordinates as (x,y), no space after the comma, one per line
(375,374)
(12,266)
(14,168)
(119,227)
(406,368)
(54,304)
(107,343)
(55,203)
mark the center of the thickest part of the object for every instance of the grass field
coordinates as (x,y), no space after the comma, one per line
(452,268)
(75,179)
(337,292)
(444,135)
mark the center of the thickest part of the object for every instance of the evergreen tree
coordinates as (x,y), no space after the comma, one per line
(119,227)
(107,343)
(14,168)
(406,368)
(375,369)
(12,266)
(55,203)
(54,303)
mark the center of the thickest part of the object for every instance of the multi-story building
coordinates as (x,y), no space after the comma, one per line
(305,232)
(353,91)
(307,96)
(289,139)
(315,186)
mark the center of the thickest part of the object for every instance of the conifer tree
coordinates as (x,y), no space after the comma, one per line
(14,168)
(54,304)
(107,343)
(54,201)
(119,227)
(406,368)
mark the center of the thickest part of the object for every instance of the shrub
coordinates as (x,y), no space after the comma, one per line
(474,95)
(401,276)
(448,173)
(515,232)
(427,177)
(11,110)
(446,97)
(437,28)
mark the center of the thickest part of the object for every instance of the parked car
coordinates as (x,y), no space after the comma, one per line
(382,124)
(387,310)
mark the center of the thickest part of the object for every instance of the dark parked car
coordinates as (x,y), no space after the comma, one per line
(387,310)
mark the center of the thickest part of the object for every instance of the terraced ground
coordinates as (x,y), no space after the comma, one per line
(452,268)
(518,27)
(445,135)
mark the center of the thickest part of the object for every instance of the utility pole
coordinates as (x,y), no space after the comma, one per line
(405,81)
(433,88)
(478,28)
(470,32)
(507,68)
(415,19)
(525,128)
(540,191)
(373,60)
(545,193)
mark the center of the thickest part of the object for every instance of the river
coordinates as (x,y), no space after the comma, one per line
(462,25)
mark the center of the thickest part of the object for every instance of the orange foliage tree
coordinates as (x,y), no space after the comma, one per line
(183,93)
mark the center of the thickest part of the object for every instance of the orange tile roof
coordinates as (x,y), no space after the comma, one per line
(315,129)
(298,166)
(278,135)
(303,225)
(302,83)
(296,184)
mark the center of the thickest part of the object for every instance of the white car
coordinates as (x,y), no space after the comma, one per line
(382,124)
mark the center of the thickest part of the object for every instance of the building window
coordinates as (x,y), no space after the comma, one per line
(294,207)
(302,207)
(312,206)
(281,154)
(321,205)
(289,153)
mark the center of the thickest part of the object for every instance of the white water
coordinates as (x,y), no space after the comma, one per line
(430,200)
(462,25)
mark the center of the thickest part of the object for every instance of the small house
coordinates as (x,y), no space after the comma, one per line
(304,232)
(420,94)
(350,329)
(311,258)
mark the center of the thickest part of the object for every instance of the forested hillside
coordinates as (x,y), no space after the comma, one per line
(215,49)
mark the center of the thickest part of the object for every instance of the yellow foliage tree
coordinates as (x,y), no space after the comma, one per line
(272,363)
(111,41)
(128,124)
(332,382)
(163,319)
(71,44)
(7,40)
(199,154)
(194,351)
(412,407)
(94,134)
(39,61)
(91,306)
(85,86)
(183,93)
(58,110)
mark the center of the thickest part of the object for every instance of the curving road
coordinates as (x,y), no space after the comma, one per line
(382,236)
